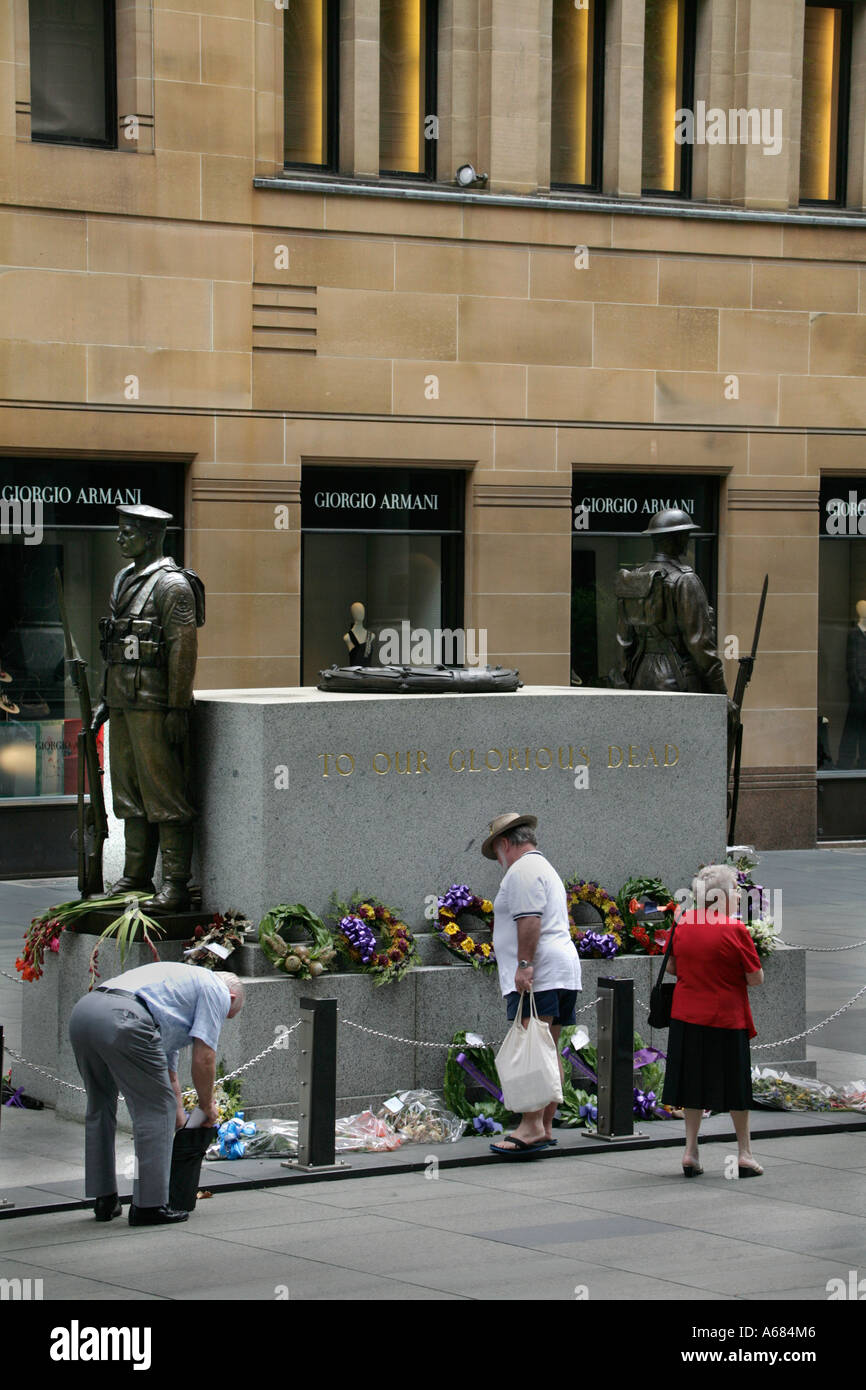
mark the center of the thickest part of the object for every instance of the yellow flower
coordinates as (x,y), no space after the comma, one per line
(445,912)
(467,945)
(451,931)
(486,905)
(485,949)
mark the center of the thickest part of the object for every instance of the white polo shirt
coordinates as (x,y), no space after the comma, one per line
(533,888)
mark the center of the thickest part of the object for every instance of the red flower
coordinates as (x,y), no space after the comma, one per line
(54,944)
(634,906)
(199,931)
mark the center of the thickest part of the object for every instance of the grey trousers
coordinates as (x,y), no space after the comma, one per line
(118,1047)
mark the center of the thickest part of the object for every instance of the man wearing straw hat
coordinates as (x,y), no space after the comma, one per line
(534,951)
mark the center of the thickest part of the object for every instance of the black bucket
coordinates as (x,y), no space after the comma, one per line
(186,1160)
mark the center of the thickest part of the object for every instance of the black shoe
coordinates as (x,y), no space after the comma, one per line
(155,1216)
(107,1207)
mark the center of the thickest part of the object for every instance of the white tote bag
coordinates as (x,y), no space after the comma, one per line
(527,1064)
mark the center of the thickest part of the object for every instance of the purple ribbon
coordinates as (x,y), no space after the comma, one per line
(13,1099)
(477,1076)
(648,1055)
(578,1062)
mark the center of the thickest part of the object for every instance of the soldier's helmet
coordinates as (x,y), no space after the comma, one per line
(670,520)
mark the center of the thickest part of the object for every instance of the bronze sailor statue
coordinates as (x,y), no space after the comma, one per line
(149,645)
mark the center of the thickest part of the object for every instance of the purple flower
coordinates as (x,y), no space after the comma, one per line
(457,899)
(359,936)
(644,1103)
(598,944)
(482,1124)
(589,1113)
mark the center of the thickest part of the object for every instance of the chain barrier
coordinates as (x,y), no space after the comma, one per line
(852,947)
(814,1029)
(43,1071)
(417,1042)
(16,979)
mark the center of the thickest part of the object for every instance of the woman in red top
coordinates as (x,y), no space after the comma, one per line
(708,1063)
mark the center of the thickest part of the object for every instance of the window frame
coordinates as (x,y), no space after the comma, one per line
(597,141)
(843,126)
(332,97)
(110,79)
(431,71)
(687,103)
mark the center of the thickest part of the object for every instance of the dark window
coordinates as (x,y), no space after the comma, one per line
(668,87)
(73,72)
(577,94)
(310,82)
(826,88)
(407,87)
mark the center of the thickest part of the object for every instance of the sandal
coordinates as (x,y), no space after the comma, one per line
(745,1170)
(521,1148)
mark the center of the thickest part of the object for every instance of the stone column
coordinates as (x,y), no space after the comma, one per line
(857,114)
(623,97)
(520,568)
(714,84)
(768,64)
(359,87)
(508,92)
(458,87)
(772,527)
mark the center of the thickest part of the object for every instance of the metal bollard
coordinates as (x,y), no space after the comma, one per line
(317,1099)
(5,1204)
(616,1061)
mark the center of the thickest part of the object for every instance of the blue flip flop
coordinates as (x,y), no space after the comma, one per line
(521,1149)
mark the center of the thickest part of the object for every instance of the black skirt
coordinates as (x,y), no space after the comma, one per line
(707,1068)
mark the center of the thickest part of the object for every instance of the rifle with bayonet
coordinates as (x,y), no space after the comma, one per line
(735,744)
(92,820)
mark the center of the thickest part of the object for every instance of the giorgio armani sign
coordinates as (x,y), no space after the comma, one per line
(84,492)
(627,502)
(382,499)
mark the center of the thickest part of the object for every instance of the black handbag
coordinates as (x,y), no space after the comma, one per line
(186,1159)
(662,993)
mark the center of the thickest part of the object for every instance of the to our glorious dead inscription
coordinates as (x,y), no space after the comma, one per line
(567,758)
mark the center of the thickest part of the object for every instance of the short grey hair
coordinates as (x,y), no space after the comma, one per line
(236,986)
(521,835)
(712,884)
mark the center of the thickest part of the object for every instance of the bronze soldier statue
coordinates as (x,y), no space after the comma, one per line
(665,629)
(149,644)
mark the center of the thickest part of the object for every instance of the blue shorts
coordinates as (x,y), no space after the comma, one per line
(556,1004)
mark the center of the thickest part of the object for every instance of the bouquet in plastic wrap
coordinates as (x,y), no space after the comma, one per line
(421,1117)
(780,1091)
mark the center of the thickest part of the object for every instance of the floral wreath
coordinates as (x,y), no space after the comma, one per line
(631,900)
(225,929)
(357,923)
(579,890)
(304,962)
(459,900)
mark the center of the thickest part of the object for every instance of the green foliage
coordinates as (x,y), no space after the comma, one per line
(124,929)
(457,1080)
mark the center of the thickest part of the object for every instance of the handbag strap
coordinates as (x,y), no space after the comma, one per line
(533,1008)
(666,956)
